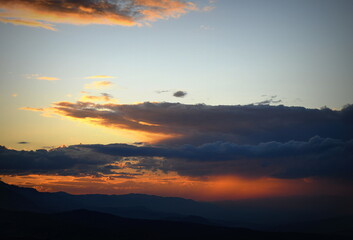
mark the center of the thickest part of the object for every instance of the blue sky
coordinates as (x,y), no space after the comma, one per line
(254,75)
(239,52)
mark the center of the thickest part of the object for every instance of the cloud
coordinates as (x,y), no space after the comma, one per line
(270,100)
(317,157)
(39,77)
(14,95)
(48,78)
(198,124)
(33,109)
(120,12)
(98,85)
(28,23)
(104,97)
(61,161)
(180,94)
(206,27)
(23,143)
(162,91)
(99,76)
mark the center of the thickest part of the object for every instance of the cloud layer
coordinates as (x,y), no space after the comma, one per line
(109,12)
(316,158)
(199,124)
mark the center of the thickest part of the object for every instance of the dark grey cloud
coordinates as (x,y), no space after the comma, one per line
(270,100)
(180,94)
(23,143)
(317,157)
(199,124)
(62,161)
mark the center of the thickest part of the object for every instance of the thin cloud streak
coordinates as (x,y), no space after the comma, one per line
(48,78)
(98,85)
(99,76)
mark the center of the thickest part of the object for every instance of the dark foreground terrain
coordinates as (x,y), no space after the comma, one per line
(84,224)
(28,214)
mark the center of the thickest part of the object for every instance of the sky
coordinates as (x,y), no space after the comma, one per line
(209,100)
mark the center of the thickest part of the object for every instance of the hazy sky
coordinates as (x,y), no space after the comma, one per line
(219,52)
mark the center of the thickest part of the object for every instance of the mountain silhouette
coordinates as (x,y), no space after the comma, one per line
(26,211)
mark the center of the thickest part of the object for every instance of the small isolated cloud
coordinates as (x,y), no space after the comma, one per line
(269,100)
(23,143)
(32,109)
(98,85)
(162,91)
(99,76)
(180,94)
(39,77)
(104,97)
(206,28)
(207,8)
(45,13)
(48,78)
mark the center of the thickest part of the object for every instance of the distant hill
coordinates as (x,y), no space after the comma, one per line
(130,205)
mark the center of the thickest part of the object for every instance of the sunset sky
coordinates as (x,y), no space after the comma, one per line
(208,100)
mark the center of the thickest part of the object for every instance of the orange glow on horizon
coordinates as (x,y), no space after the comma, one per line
(173,185)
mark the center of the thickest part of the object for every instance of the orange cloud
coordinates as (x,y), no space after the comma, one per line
(98,85)
(99,76)
(125,13)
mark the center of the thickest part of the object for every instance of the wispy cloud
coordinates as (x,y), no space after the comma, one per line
(99,76)
(33,109)
(48,78)
(28,23)
(123,12)
(39,77)
(104,97)
(98,85)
